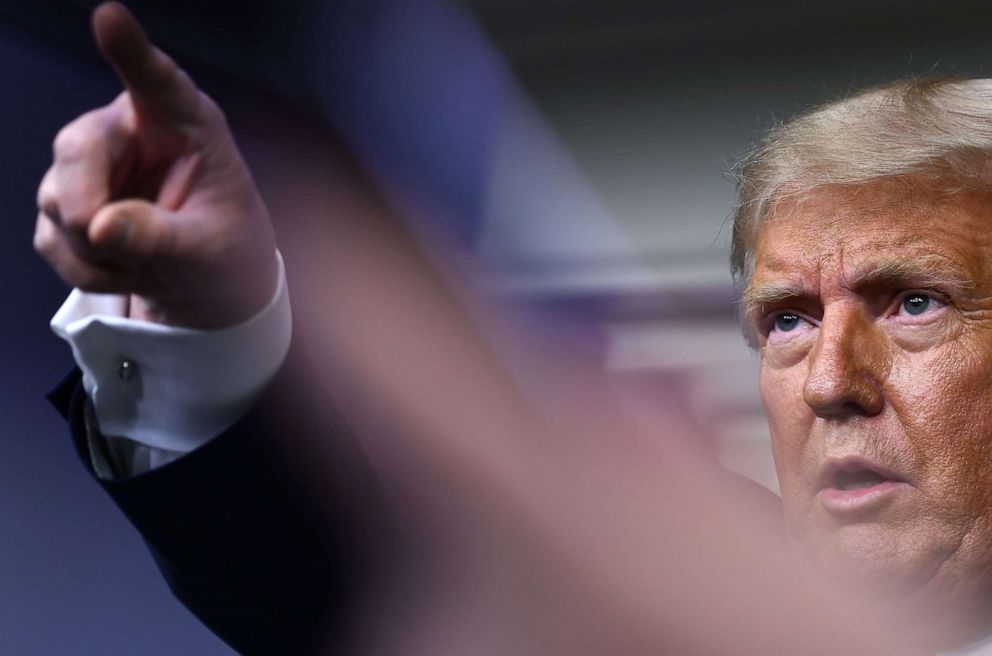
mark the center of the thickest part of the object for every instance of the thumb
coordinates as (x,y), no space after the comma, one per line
(131,231)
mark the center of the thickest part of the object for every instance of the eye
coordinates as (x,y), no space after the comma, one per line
(786,322)
(916,304)
(786,325)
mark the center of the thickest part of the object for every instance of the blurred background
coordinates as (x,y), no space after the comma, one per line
(579,149)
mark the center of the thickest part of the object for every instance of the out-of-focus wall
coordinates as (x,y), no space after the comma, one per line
(655,101)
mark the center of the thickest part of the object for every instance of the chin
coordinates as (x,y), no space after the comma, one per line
(873,561)
(935,593)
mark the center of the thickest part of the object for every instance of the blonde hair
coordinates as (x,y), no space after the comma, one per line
(937,125)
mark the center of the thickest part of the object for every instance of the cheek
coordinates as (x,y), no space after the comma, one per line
(789,422)
(944,401)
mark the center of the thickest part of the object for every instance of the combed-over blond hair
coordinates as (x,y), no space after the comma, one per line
(938,125)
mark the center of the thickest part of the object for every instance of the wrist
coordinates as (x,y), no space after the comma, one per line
(222,299)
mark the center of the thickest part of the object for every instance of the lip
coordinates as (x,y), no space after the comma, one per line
(858,499)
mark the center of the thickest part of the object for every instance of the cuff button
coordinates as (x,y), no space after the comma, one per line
(127,370)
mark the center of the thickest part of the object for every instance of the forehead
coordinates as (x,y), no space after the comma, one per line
(839,227)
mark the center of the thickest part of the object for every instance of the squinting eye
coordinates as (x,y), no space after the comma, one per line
(786,321)
(916,304)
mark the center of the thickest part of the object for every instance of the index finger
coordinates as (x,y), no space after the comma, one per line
(159,88)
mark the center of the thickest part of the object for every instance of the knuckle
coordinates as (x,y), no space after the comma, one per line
(87,132)
(47,194)
(65,141)
(73,141)
(85,135)
(43,242)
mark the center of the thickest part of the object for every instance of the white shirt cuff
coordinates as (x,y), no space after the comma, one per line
(167,387)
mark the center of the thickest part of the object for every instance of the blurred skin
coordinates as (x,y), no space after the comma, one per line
(874,310)
(590,529)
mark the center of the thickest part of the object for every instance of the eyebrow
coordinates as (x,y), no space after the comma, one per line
(927,271)
(924,271)
(755,297)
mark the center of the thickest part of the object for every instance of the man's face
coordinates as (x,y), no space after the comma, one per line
(874,312)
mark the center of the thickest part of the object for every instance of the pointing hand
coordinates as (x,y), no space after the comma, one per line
(149,196)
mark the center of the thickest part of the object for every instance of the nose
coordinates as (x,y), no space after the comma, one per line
(846,367)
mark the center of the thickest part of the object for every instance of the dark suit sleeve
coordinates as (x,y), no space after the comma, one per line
(269,565)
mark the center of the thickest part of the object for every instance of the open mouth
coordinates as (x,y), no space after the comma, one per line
(857,480)
(850,483)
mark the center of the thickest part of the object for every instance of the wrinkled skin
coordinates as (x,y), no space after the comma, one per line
(895,368)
